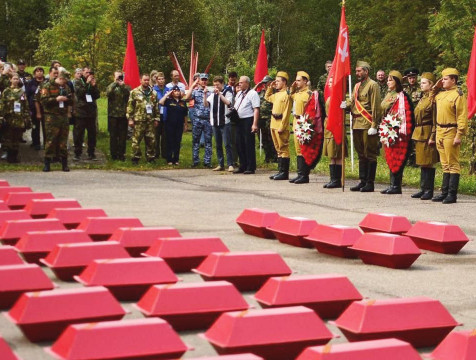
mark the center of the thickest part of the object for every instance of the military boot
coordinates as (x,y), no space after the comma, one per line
(305,170)
(372,169)
(284,174)
(396,184)
(429,184)
(279,169)
(336,178)
(386,190)
(331,174)
(299,161)
(453,189)
(423,175)
(47,166)
(444,188)
(363,170)
(64,164)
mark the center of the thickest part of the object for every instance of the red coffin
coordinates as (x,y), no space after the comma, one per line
(334,240)
(191,306)
(4,183)
(18,200)
(44,315)
(72,217)
(230,357)
(184,254)
(293,230)
(438,237)
(17,279)
(8,256)
(133,339)
(5,352)
(328,295)
(387,349)
(3,206)
(279,334)
(13,215)
(389,250)
(39,208)
(4,190)
(12,230)
(137,240)
(67,260)
(246,270)
(127,279)
(458,345)
(387,223)
(257,221)
(101,228)
(421,321)
(35,245)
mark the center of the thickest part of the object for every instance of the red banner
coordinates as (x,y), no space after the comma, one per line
(131,66)
(261,69)
(471,81)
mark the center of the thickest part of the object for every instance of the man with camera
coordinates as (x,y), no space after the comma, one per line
(117,96)
(85,111)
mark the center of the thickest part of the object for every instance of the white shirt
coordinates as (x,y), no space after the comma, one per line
(228,96)
(246,107)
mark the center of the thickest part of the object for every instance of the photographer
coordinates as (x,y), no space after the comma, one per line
(117,97)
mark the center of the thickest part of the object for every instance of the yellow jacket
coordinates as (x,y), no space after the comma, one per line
(451,108)
(281,101)
(300,99)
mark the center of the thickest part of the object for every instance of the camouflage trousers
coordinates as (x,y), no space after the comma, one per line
(143,130)
(56,135)
(202,126)
(267,140)
(11,137)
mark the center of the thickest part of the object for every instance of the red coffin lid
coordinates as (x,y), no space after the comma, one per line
(81,254)
(3,206)
(25,277)
(44,206)
(128,271)
(383,243)
(4,183)
(180,247)
(339,235)
(142,236)
(437,231)
(191,298)
(5,352)
(107,225)
(458,345)
(15,229)
(249,263)
(13,215)
(64,304)
(371,316)
(388,223)
(386,349)
(45,241)
(8,256)
(75,215)
(269,326)
(4,190)
(21,198)
(132,338)
(302,289)
(258,217)
(297,226)
(230,357)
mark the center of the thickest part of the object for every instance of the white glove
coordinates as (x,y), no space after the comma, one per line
(372,131)
(343,105)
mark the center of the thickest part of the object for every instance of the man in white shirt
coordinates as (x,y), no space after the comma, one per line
(175,76)
(247,103)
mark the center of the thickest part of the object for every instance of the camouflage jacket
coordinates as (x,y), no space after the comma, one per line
(265,107)
(414,92)
(82,108)
(4,82)
(321,84)
(117,97)
(47,97)
(13,115)
(139,100)
(383,89)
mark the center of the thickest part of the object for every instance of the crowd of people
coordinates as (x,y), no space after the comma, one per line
(421,123)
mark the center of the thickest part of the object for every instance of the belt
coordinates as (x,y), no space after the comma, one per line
(278,116)
(447,125)
(419,125)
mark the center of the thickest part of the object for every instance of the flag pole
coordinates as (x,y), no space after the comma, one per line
(351,130)
(343,130)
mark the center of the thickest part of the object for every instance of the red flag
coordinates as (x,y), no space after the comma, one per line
(335,121)
(471,80)
(131,67)
(261,69)
(327,89)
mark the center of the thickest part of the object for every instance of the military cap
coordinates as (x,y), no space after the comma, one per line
(175,87)
(64,74)
(450,71)
(283,74)
(38,68)
(396,74)
(363,64)
(21,62)
(303,74)
(429,76)
(78,70)
(413,71)
(204,76)
(267,79)
(196,75)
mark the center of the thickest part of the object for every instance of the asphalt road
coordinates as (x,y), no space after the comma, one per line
(202,202)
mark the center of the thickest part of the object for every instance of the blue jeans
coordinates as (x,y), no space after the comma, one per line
(223,134)
(245,143)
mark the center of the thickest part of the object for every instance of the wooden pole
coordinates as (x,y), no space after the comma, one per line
(343,136)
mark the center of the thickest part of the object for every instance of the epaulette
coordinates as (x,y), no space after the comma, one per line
(460,92)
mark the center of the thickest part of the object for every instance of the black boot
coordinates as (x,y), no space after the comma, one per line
(396,184)
(64,164)
(429,184)
(299,162)
(363,172)
(284,174)
(372,169)
(331,174)
(453,189)
(444,188)
(305,170)
(47,167)
(423,175)
(279,169)
(337,178)
(385,191)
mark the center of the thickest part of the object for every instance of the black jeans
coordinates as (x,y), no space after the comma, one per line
(82,124)
(117,136)
(35,131)
(173,131)
(245,143)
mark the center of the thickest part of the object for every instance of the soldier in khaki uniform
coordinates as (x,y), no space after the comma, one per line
(366,113)
(424,137)
(280,122)
(300,95)
(451,126)
(143,116)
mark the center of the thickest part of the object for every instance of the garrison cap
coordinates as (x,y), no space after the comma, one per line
(450,71)
(413,71)
(363,64)
(267,79)
(283,74)
(303,74)
(429,76)
(396,74)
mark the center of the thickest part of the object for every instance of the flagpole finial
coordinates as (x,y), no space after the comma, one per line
(343,3)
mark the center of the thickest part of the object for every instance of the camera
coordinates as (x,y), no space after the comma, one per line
(91,72)
(120,78)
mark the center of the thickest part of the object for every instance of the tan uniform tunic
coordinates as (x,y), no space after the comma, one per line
(425,129)
(330,148)
(300,99)
(280,120)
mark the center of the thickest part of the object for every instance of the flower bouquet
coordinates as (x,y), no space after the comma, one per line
(304,129)
(389,130)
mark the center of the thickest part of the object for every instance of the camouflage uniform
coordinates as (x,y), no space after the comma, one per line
(56,118)
(383,89)
(201,124)
(14,113)
(4,82)
(117,96)
(139,100)
(264,122)
(415,94)
(321,84)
